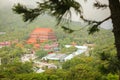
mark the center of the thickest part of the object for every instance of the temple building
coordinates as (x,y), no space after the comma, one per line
(40,35)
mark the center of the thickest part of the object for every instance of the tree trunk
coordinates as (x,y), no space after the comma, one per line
(114,6)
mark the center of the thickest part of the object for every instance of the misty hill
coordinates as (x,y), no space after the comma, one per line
(8,17)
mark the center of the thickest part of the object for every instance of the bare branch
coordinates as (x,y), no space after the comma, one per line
(96,22)
(92,29)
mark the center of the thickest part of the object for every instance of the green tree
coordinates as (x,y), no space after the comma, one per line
(11,54)
(112,77)
(31,76)
(41,53)
(109,64)
(68,50)
(82,68)
(11,70)
(84,72)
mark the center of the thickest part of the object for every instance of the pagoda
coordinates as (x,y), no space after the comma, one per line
(40,35)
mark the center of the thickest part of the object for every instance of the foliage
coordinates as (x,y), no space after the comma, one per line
(84,72)
(93,29)
(111,64)
(10,54)
(80,68)
(56,8)
(41,53)
(112,77)
(68,50)
(10,70)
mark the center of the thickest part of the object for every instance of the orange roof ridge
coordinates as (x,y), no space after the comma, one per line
(38,30)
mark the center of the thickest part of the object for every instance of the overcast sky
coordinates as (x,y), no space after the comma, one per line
(90,12)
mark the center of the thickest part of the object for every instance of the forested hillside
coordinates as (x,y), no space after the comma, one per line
(101,63)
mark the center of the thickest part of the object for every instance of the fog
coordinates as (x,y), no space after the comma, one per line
(89,11)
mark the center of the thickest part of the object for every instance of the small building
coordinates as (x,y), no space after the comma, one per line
(28,57)
(52,46)
(40,70)
(6,43)
(65,57)
(72,55)
(77,46)
(44,65)
(1,33)
(54,56)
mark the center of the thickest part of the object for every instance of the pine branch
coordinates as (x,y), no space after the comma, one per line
(95,24)
(28,14)
(98,5)
(56,8)
(92,29)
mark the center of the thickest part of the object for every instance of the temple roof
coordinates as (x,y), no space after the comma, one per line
(39,30)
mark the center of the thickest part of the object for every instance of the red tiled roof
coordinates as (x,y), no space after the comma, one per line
(38,30)
(37,45)
(31,40)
